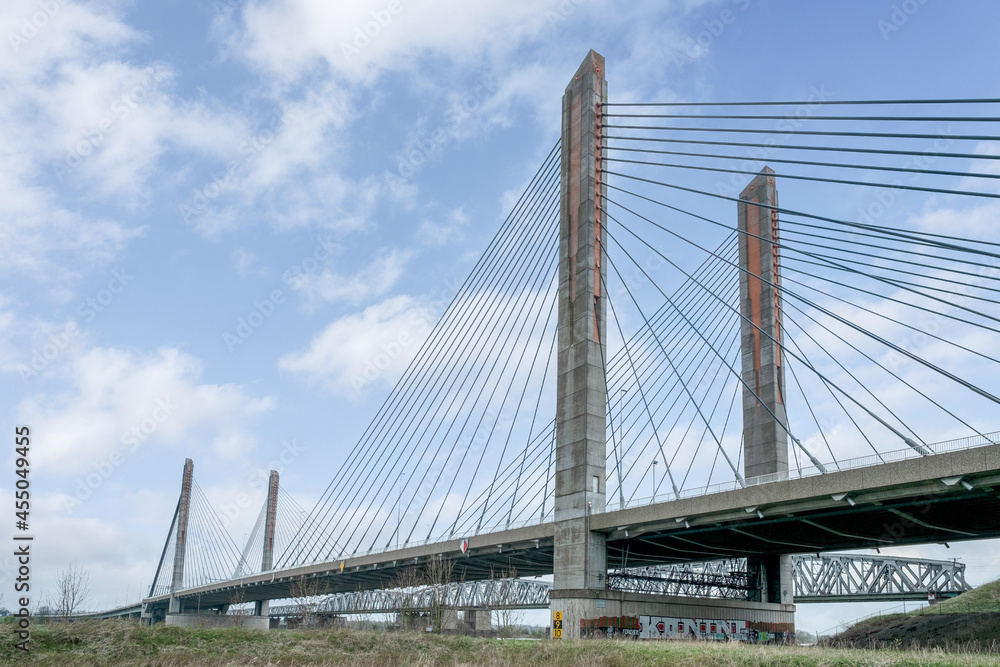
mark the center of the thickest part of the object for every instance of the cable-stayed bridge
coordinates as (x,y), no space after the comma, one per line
(655,362)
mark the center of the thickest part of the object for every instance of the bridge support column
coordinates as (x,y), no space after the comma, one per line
(270,516)
(581,412)
(765,440)
(183,513)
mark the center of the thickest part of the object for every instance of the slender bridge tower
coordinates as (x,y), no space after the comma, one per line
(581,411)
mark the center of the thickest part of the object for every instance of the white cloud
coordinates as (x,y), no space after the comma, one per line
(373,281)
(121,401)
(444,232)
(290,37)
(359,349)
(82,120)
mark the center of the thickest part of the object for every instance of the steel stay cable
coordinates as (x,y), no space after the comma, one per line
(822,149)
(427,349)
(537,445)
(785,290)
(893,320)
(503,401)
(715,316)
(810,163)
(877,363)
(725,425)
(499,507)
(917,119)
(745,319)
(885,407)
(817,179)
(693,368)
(214,526)
(457,365)
(461,314)
(958,319)
(905,282)
(726,455)
(905,439)
(812,133)
(642,394)
(846,223)
(203,553)
(791,369)
(972,100)
(207,549)
(163,554)
(887,258)
(701,440)
(911,305)
(667,319)
(472,343)
(792,248)
(702,357)
(538,402)
(671,324)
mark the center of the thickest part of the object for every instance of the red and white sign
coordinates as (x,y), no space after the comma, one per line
(464,545)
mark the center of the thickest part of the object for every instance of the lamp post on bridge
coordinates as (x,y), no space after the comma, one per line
(654,480)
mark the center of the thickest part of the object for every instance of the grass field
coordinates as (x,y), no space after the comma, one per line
(127,644)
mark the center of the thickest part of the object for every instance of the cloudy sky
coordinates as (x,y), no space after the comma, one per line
(214,213)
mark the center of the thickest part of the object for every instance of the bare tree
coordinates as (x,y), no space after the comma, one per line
(305,591)
(238,598)
(440,571)
(504,604)
(72,590)
(404,586)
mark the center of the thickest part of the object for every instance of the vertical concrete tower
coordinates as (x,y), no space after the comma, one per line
(581,411)
(261,607)
(765,440)
(183,514)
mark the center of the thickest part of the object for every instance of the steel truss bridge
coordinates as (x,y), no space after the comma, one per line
(656,363)
(822,578)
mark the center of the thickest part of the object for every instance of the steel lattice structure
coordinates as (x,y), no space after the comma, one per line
(851,578)
(819,578)
(496,594)
(823,578)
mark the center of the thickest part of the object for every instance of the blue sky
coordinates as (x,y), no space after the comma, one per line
(170,168)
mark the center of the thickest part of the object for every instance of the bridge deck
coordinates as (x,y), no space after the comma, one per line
(904,502)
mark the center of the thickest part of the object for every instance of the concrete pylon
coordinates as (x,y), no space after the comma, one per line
(270,516)
(183,514)
(581,411)
(765,440)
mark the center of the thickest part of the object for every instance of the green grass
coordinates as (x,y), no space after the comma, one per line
(127,644)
